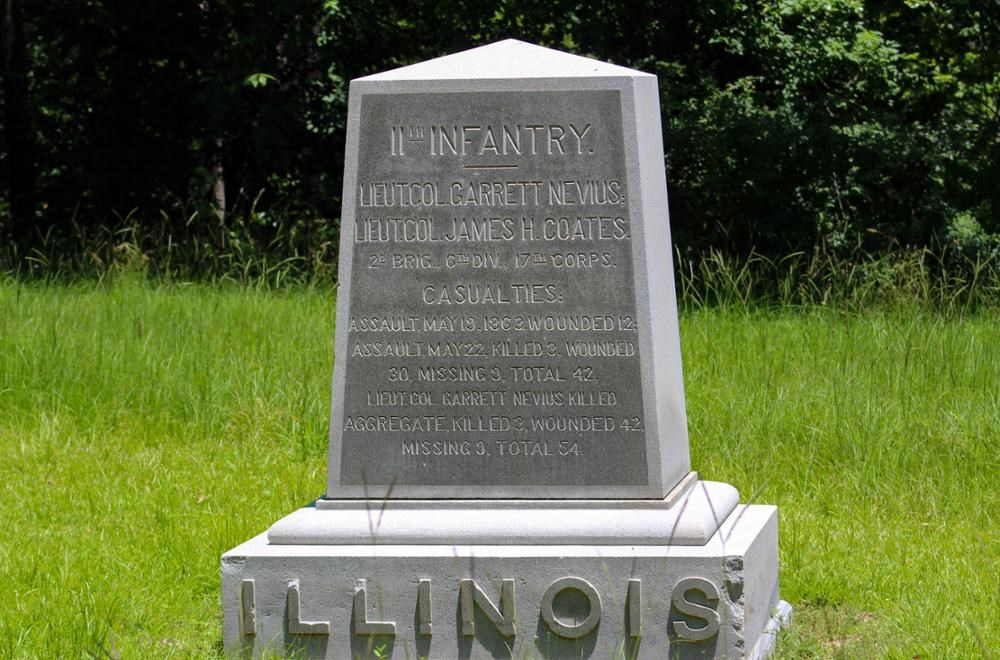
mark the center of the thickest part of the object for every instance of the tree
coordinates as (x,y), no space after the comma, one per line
(17,124)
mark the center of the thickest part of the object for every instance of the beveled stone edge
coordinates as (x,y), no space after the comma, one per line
(674,496)
(692,520)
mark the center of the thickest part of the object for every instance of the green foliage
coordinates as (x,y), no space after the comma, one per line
(257,80)
(969,237)
(813,124)
(789,125)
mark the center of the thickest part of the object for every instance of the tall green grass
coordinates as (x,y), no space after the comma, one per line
(253,249)
(146,427)
(878,436)
(144,431)
(947,281)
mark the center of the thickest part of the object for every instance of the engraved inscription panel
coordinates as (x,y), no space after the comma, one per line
(492,334)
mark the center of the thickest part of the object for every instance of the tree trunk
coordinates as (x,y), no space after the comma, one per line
(17,124)
(219,185)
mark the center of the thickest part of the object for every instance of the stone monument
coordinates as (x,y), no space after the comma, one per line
(508,472)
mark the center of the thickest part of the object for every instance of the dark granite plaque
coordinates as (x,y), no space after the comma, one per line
(492,332)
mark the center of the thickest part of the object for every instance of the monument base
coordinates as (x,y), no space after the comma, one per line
(689,515)
(717,600)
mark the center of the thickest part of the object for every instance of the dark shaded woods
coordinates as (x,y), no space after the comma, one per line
(817,126)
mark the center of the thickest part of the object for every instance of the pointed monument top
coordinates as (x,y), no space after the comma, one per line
(505,59)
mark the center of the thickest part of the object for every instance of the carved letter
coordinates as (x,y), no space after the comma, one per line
(706,614)
(362,626)
(469,593)
(634,608)
(248,609)
(296,626)
(579,136)
(424,607)
(577,630)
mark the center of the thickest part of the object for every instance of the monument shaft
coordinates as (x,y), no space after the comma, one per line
(505,305)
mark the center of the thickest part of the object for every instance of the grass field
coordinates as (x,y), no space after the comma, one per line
(146,429)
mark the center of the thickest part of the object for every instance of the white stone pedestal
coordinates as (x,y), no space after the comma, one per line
(616,598)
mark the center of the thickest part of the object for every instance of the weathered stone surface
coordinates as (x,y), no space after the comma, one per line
(719,600)
(507,324)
